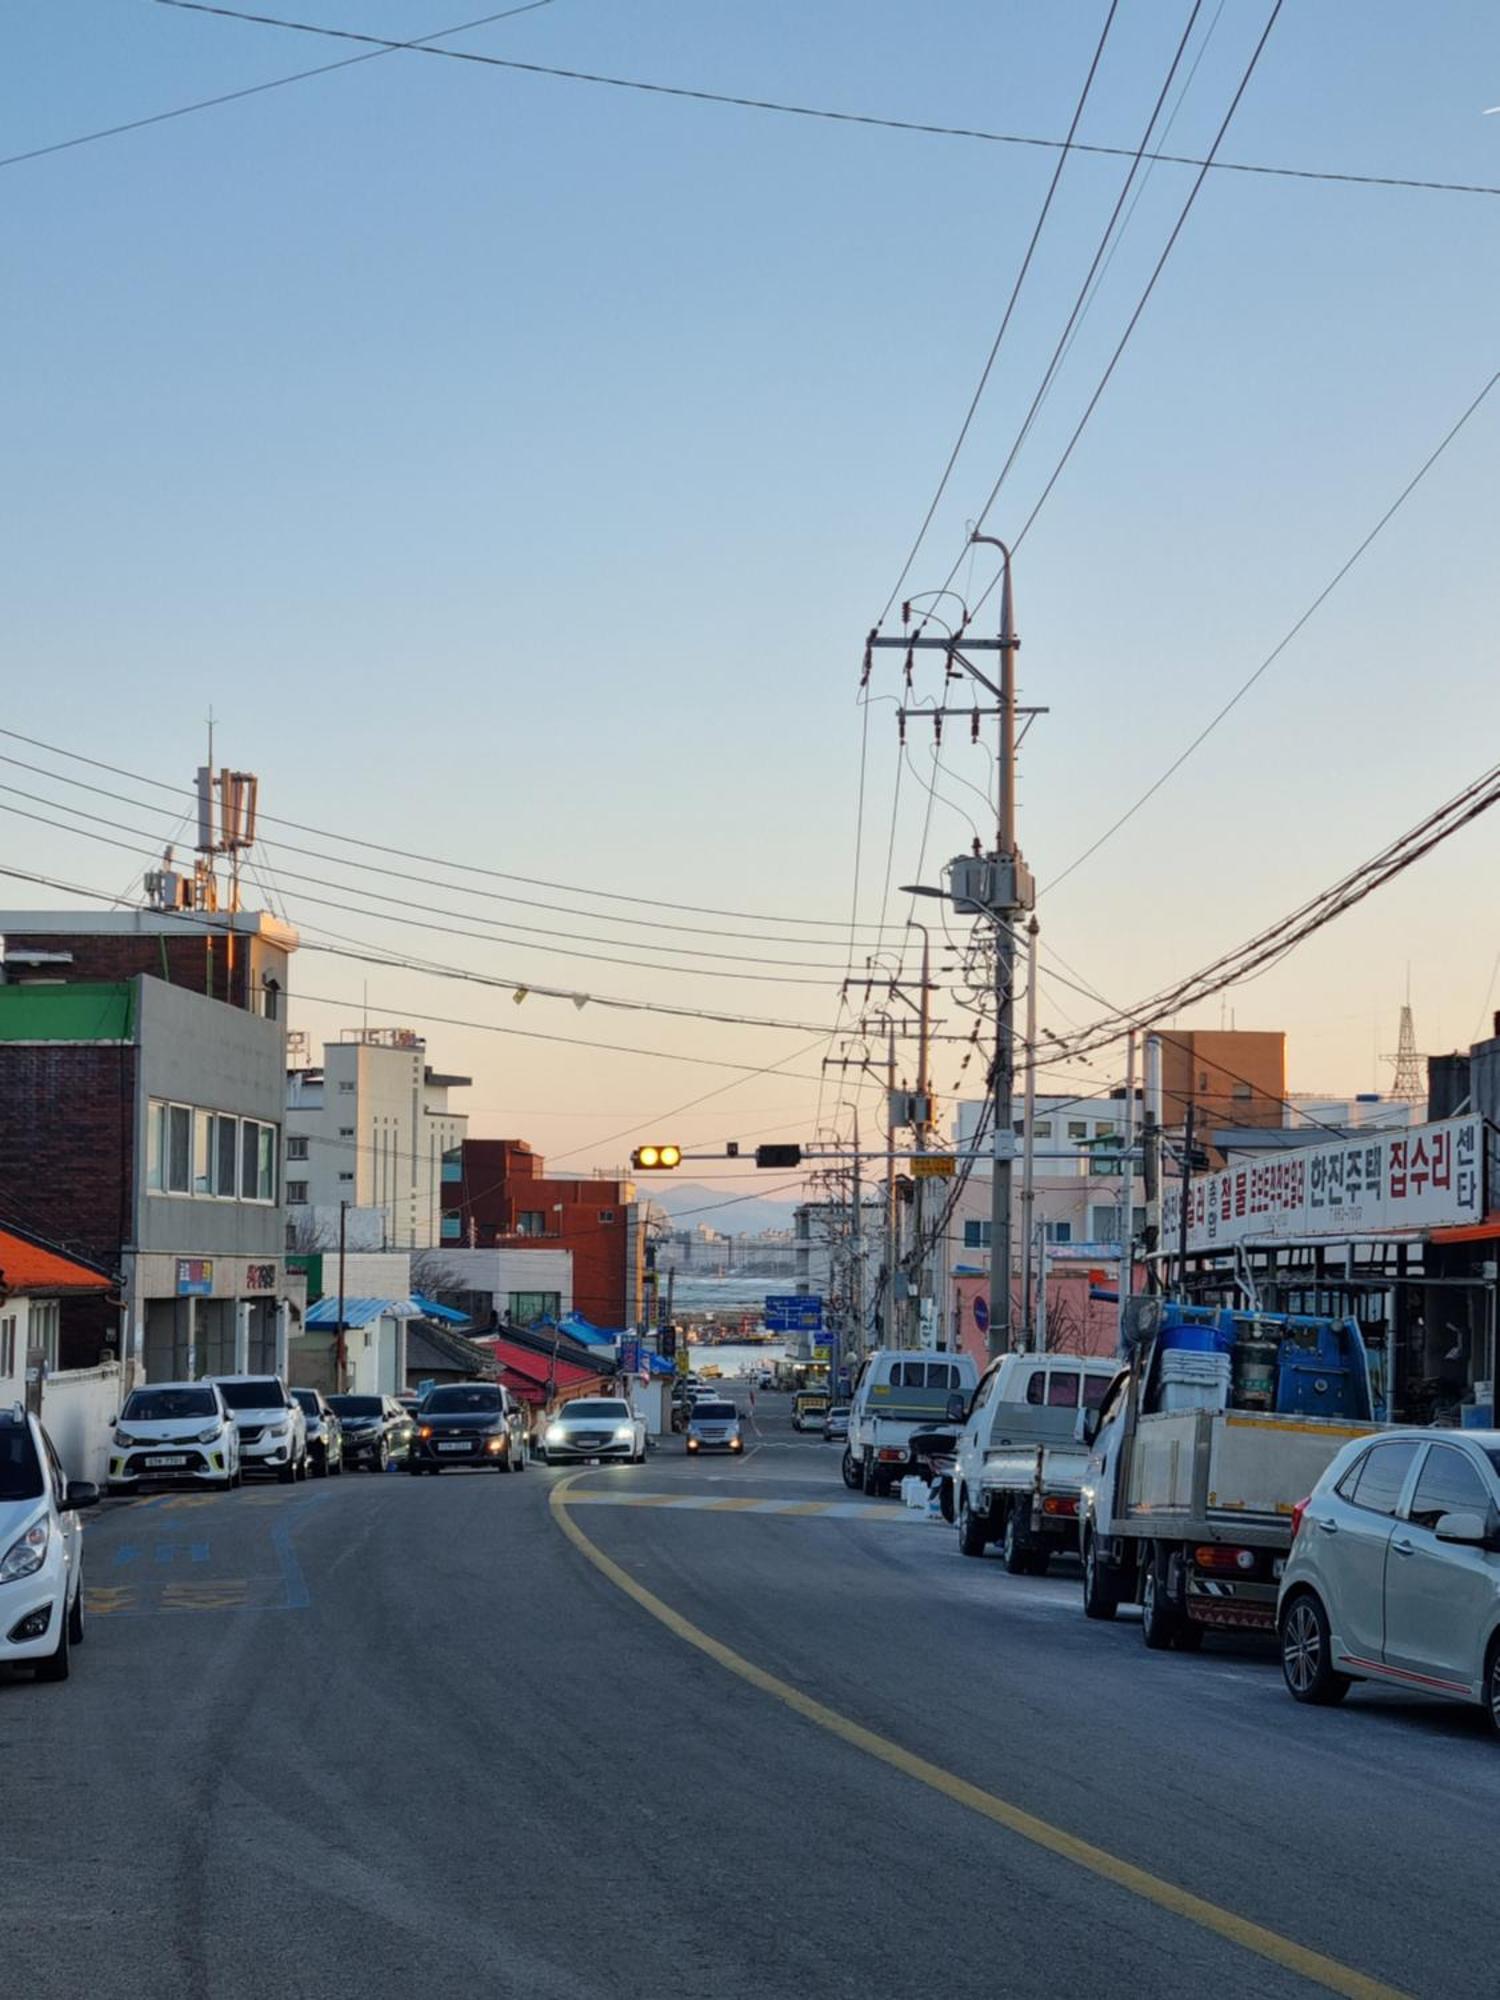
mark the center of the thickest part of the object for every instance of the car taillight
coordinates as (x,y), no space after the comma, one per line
(1057,1506)
(1297,1512)
(1212,1556)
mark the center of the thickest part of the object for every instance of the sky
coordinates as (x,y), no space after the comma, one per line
(514,466)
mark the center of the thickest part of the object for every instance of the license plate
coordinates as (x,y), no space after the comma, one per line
(455,1447)
(180,1458)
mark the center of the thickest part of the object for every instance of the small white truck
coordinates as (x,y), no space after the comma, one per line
(898,1391)
(1186,1500)
(1017,1466)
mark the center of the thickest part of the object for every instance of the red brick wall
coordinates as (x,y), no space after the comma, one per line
(502,1178)
(198,963)
(66,1141)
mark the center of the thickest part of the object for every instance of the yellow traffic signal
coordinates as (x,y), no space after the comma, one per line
(656,1159)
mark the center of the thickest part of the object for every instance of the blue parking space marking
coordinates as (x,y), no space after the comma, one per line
(297,1597)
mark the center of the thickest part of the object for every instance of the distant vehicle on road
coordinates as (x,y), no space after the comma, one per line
(714,1426)
(377,1431)
(1394,1571)
(177,1433)
(897,1393)
(595,1427)
(41,1549)
(325,1434)
(469,1423)
(836,1424)
(272,1428)
(809,1408)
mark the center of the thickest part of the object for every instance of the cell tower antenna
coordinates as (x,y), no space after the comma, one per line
(1407,1081)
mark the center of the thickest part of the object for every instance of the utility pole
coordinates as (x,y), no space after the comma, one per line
(891,1318)
(1005,906)
(1030,1248)
(1127,1192)
(1151,1163)
(923,1133)
(857,1224)
(1187,1185)
(341,1351)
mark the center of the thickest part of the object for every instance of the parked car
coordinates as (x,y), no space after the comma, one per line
(836,1424)
(595,1427)
(41,1549)
(377,1431)
(714,1426)
(272,1428)
(325,1434)
(469,1423)
(1394,1571)
(177,1432)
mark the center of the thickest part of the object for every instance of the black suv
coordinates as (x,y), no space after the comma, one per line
(468,1423)
(376,1429)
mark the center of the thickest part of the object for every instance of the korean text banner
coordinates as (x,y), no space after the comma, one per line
(1425,1177)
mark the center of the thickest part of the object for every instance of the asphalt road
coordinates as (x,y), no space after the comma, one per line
(372,1736)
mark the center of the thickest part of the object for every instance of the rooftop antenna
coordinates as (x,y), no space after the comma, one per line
(1407,1083)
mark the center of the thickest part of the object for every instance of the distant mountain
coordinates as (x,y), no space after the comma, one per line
(746,1217)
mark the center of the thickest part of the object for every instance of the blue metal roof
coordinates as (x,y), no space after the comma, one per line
(445,1315)
(361,1312)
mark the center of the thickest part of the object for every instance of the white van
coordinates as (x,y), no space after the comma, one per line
(898,1391)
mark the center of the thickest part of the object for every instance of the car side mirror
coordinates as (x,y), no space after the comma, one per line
(80,1493)
(1086,1426)
(958,1409)
(1463,1527)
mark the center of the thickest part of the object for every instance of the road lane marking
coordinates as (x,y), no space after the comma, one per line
(1308,1964)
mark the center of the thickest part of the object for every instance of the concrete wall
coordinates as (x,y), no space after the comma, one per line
(76,1412)
(495,1274)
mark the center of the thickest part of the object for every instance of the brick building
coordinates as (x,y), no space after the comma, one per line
(141,1084)
(1231,1077)
(497,1194)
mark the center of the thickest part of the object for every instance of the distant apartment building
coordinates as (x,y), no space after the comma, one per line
(367,1131)
(497,1194)
(141,1081)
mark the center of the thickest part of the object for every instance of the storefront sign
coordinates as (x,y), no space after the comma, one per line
(1426,1177)
(260,1277)
(195,1277)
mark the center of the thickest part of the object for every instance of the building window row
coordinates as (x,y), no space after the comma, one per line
(209,1153)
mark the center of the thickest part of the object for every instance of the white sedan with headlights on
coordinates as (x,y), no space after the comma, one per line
(174,1431)
(594,1427)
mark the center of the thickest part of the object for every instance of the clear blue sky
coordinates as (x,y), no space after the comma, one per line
(516,465)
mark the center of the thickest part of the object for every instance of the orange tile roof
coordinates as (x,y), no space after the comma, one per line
(24,1267)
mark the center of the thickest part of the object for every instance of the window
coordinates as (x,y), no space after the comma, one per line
(453,1165)
(524,1307)
(226,1155)
(606,1215)
(265,1162)
(1036,1385)
(347,1084)
(203,1157)
(347,1176)
(1104,1223)
(179,1149)
(1058,1232)
(1448,1484)
(1062,1389)
(1095,1389)
(1044,1128)
(46,1317)
(7,1347)
(1381,1474)
(296,1193)
(1078,1128)
(1242,1091)
(452,1228)
(296,1146)
(977,1235)
(346,1131)
(531,1222)
(156,1146)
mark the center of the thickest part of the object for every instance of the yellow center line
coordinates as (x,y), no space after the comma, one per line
(731,1506)
(1311,1965)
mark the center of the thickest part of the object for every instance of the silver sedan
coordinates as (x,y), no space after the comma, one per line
(714,1426)
(1394,1572)
(595,1427)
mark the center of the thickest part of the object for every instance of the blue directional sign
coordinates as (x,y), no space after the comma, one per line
(800,1312)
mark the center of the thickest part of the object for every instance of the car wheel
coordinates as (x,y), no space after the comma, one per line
(57,1664)
(285,1474)
(972,1539)
(75,1614)
(1307,1655)
(1100,1599)
(850,1471)
(1161,1623)
(382,1456)
(522,1456)
(320,1464)
(1013,1544)
(1492,1686)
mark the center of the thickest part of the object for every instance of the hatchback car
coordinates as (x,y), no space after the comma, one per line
(41,1550)
(468,1423)
(325,1434)
(836,1424)
(595,1427)
(1394,1571)
(177,1432)
(272,1428)
(714,1426)
(377,1431)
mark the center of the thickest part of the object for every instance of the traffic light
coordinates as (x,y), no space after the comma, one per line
(656,1159)
(778,1156)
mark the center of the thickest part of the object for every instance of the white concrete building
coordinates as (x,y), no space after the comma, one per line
(369,1128)
(518,1285)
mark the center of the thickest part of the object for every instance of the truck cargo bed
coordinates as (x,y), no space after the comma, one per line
(1226,1472)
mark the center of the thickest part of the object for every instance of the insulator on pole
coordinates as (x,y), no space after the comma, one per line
(937,726)
(864,672)
(906,611)
(974,726)
(901,726)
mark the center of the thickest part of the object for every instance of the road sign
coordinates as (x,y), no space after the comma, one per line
(797,1312)
(933,1167)
(982,1315)
(630,1357)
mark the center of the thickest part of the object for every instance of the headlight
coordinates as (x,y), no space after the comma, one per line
(124,1439)
(25,1557)
(208,1436)
(624,1433)
(556,1434)
(279,1430)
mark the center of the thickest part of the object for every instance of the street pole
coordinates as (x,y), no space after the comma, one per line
(1151,1163)
(1004,1080)
(1028,1140)
(341,1349)
(1127,1193)
(1039,1338)
(858,1241)
(923,1132)
(1182,1220)
(891,1319)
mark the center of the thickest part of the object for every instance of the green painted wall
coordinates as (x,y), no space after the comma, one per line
(91,1011)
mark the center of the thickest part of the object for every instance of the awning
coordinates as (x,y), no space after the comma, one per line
(361,1312)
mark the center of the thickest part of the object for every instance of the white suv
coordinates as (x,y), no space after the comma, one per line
(273,1430)
(41,1549)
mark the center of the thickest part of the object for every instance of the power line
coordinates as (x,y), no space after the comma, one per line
(1010,307)
(1281,645)
(254,89)
(790,110)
